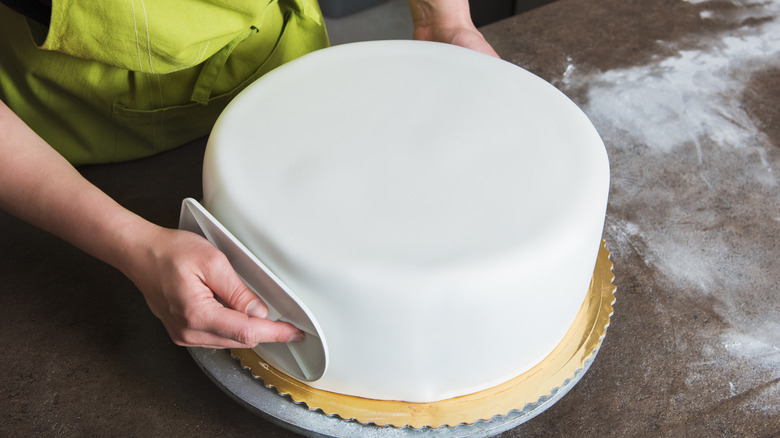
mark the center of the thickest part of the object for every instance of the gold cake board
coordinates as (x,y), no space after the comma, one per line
(532,388)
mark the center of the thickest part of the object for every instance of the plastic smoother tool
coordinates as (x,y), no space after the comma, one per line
(306,360)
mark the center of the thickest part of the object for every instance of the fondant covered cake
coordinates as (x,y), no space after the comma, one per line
(438,211)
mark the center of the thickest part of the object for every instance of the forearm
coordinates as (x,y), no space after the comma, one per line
(40,187)
(178,272)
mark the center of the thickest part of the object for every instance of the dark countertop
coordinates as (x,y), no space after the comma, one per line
(685,96)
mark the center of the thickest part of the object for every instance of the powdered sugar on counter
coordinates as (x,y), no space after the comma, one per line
(641,102)
(693,174)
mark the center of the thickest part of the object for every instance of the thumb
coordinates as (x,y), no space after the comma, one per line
(233,293)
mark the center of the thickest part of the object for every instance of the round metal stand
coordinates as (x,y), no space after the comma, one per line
(238,383)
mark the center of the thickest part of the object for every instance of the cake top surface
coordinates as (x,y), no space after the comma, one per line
(406,142)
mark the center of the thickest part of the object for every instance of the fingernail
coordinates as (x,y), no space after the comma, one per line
(297,337)
(255,309)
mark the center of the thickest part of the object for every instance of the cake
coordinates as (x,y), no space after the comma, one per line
(438,211)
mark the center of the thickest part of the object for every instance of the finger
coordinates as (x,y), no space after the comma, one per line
(244,329)
(228,287)
(206,340)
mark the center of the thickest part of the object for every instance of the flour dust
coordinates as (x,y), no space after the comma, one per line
(684,208)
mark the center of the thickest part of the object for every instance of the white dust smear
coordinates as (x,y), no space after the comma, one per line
(760,353)
(646,101)
(690,100)
(755,347)
(689,106)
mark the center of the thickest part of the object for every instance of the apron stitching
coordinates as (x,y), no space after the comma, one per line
(141,67)
(154,113)
(197,55)
(157,78)
(148,41)
(200,58)
(159,88)
(137,48)
(162,113)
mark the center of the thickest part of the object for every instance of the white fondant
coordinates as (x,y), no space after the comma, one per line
(439,211)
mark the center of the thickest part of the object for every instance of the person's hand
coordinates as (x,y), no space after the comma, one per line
(469,38)
(186,281)
(447,21)
(191,287)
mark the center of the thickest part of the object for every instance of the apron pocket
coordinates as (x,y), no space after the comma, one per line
(143,132)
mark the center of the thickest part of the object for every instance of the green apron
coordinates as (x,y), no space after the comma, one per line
(115,80)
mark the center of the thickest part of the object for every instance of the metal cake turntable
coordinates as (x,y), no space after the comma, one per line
(238,383)
(313,413)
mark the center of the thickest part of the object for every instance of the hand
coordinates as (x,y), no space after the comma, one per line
(447,21)
(183,277)
(191,287)
(469,38)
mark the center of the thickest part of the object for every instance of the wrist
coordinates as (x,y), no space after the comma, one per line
(440,13)
(131,244)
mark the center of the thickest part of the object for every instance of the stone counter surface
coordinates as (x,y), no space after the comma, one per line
(685,95)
